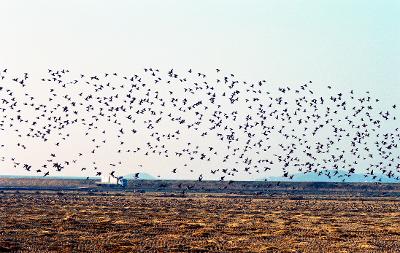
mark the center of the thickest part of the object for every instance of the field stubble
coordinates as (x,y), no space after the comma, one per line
(131,222)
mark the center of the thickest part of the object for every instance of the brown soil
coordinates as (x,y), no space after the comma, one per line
(130,222)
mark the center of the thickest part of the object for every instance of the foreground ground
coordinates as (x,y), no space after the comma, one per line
(32,221)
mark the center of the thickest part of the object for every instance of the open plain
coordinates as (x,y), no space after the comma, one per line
(124,221)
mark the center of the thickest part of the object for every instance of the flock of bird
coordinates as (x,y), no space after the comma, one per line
(226,126)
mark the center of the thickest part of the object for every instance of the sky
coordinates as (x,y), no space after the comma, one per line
(346,43)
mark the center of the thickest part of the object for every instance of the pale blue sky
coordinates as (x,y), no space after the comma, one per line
(347,43)
(344,42)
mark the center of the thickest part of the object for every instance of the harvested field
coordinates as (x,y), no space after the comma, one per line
(48,221)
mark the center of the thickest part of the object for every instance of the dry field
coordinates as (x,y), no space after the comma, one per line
(130,222)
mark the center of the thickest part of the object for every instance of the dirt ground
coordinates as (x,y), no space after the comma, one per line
(133,222)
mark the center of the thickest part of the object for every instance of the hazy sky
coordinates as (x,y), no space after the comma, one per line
(347,43)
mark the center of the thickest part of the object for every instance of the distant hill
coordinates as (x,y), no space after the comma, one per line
(313,177)
(142,176)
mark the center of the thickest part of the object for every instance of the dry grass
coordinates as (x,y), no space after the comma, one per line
(78,222)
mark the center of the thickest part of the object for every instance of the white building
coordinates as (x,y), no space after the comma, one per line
(112,180)
(108,179)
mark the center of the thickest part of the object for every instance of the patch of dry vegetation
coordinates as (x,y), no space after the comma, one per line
(77,222)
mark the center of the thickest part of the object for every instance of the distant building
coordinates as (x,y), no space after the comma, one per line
(110,180)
